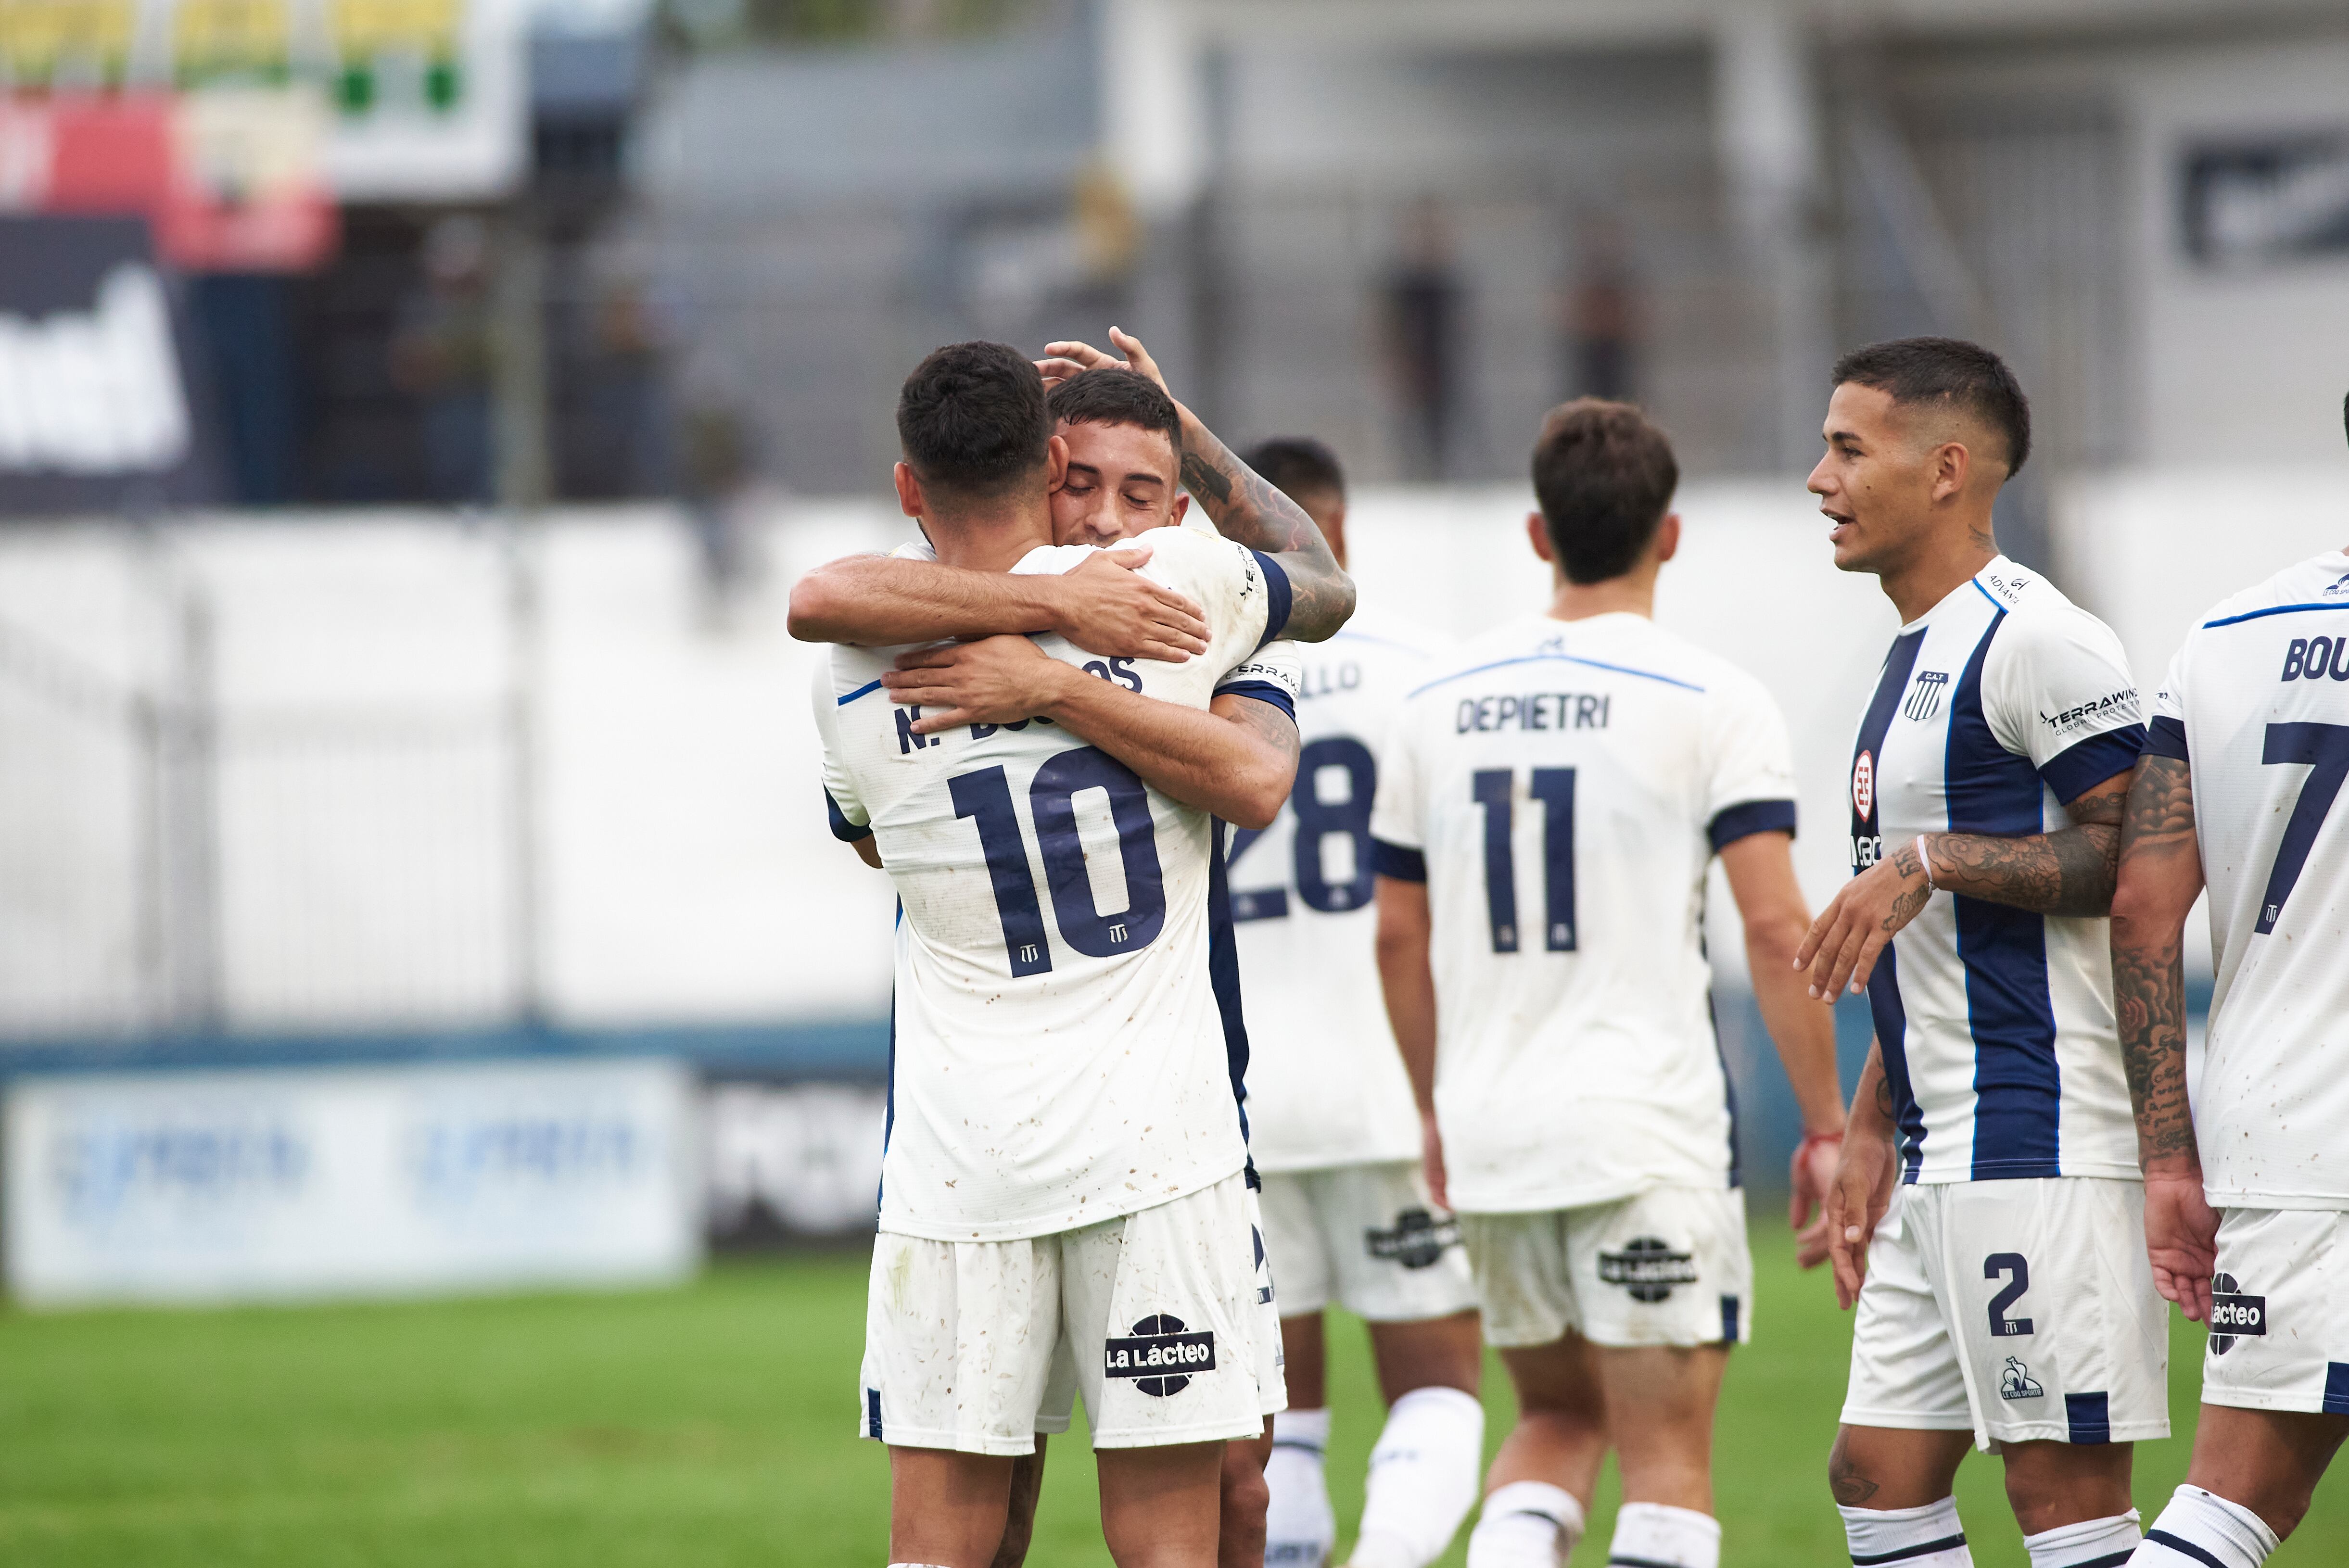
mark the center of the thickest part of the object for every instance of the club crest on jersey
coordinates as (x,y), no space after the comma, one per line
(1648,1268)
(1160,1357)
(2015,1382)
(1863,784)
(1925,695)
(1417,1240)
(2234,1315)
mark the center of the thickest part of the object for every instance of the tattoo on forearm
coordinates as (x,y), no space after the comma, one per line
(1250,511)
(2068,871)
(2149,975)
(1884,1096)
(1274,728)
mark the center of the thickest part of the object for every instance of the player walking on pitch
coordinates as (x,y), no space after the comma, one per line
(1547,807)
(2247,1199)
(1062,1178)
(2004,1293)
(1347,1214)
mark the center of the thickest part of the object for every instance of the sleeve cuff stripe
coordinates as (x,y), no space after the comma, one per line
(2076,769)
(2166,736)
(1277,597)
(1743,820)
(1398,861)
(1264,692)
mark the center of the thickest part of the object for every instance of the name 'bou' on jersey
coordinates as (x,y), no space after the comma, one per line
(1326,1085)
(1061,1051)
(2256,702)
(1994,710)
(1561,786)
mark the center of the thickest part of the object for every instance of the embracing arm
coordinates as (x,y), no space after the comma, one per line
(2068,871)
(1236,759)
(1104,606)
(1245,507)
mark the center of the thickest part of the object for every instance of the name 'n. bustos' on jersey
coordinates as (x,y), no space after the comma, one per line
(1063,1049)
(2256,702)
(1996,708)
(1561,786)
(1326,1085)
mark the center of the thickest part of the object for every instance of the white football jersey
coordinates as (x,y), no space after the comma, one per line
(2256,702)
(1066,1042)
(1326,1085)
(1996,707)
(1561,786)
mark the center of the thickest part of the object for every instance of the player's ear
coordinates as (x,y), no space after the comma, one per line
(1056,464)
(909,490)
(1668,538)
(1538,534)
(1950,466)
(1181,509)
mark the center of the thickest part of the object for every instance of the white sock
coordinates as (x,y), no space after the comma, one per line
(1927,1537)
(1300,1527)
(2201,1528)
(1423,1479)
(2091,1543)
(1526,1525)
(1650,1535)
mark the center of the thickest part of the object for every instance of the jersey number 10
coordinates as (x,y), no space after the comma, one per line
(986,796)
(1553,788)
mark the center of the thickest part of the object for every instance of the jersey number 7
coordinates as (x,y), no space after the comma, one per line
(2326,746)
(1553,788)
(986,796)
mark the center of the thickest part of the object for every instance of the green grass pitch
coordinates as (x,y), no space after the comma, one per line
(711,1425)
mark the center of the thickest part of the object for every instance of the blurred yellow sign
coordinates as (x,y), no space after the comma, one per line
(232,41)
(63,43)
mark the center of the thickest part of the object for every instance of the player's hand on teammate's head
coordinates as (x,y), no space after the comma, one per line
(1110,609)
(2181,1240)
(1070,358)
(1855,1203)
(994,680)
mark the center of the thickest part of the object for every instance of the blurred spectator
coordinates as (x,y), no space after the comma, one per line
(1423,302)
(246,320)
(440,357)
(1599,318)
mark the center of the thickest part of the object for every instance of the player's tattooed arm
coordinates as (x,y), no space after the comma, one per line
(1104,606)
(1245,507)
(2160,875)
(2068,871)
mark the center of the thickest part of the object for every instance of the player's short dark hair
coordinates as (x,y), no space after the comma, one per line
(1110,396)
(1297,466)
(971,419)
(1604,474)
(1950,371)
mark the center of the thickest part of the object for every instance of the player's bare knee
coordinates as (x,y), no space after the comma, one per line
(2050,1484)
(1853,1487)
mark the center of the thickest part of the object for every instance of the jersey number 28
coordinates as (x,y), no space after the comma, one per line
(1316,820)
(986,796)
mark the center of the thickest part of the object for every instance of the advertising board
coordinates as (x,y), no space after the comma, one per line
(290,1183)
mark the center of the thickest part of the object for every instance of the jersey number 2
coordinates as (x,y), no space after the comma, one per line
(1316,820)
(986,796)
(2326,747)
(1553,788)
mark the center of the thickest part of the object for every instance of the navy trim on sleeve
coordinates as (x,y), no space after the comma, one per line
(1748,818)
(1397,861)
(1271,692)
(847,831)
(1276,589)
(2078,770)
(2166,736)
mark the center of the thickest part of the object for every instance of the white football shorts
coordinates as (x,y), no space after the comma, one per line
(1163,1319)
(2280,1312)
(2020,1310)
(1667,1267)
(1366,1236)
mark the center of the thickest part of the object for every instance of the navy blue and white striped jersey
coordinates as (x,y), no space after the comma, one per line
(2256,702)
(1561,786)
(1995,709)
(1066,1040)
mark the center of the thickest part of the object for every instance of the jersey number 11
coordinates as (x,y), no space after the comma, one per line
(1553,788)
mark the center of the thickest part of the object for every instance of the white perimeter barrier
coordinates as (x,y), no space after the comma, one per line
(313,1182)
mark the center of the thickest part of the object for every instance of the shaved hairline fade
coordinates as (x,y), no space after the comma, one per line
(1948,373)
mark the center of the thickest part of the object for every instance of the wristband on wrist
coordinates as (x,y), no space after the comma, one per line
(1811,1138)
(1926,861)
